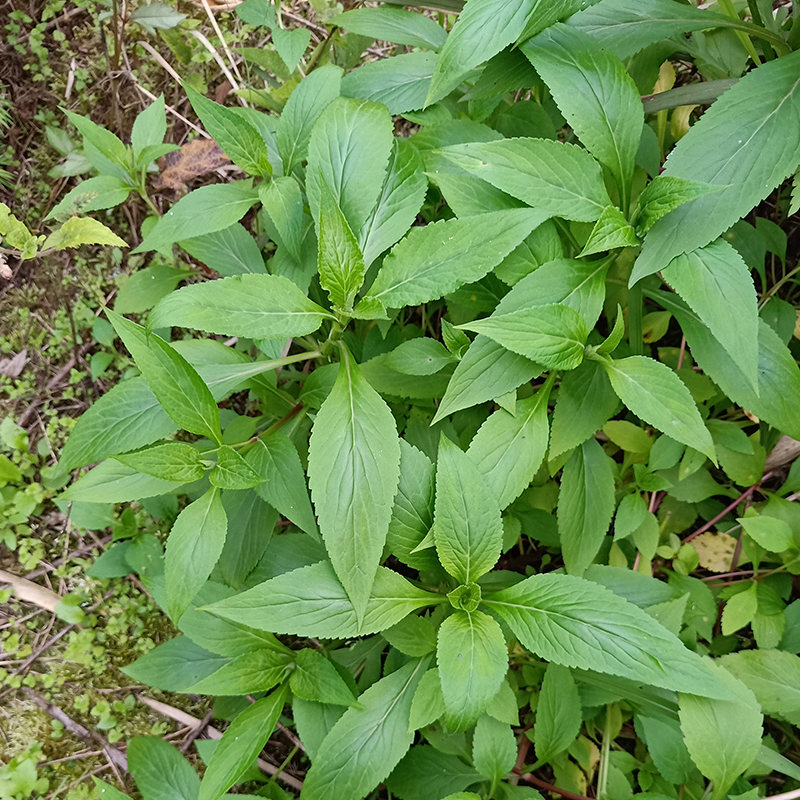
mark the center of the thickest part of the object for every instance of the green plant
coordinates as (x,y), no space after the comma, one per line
(433,457)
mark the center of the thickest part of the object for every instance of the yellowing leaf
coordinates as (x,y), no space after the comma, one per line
(82,230)
(715,550)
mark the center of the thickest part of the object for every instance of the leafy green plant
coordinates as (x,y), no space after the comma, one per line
(434,458)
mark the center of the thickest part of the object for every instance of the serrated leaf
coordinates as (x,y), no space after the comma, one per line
(397,25)
(627,26)
(364,746)
(586,401)
(291,45)
(173,461)
(467,526)
(82,230)
(585,505)
(412,514)
(525,169)
(771,533)
(428,703)
(232,471)
(283,201)
(311,602)
(612,230)
(400,199)
(414,636)
(421,356)
(146,287)
(597,97)
(764,151)
(193,547)
(350,148)
(576,623)
(254,306)
(241,743)
(256,671)
(231,251)
(276,460)
(552,335)
(108,145)
(436,259)
(126,417)
(484,28)
(204,210)
(401,83)
(302,109)
(494,748)
(149,127)
(772,675)
(316,679)
(664,194)
(508,449)
(162,773)
(339,262)
(353,469)
(654,393)
(716,284)
(94,194)
(112,482)
(174,382)
(723,736)
(472,658)
(558,714)
(239,140)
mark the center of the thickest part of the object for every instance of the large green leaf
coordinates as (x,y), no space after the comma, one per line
(393,25)
(241,743)
(350,147)
(585,402)
(484,28)
(339,262)
(723,736)
(303,108)
(658,396)
(412,515)
(772,675)
(171,461)
(276,460)
(747,141)
(436,259)
(473,659)
(124,418)
(486,371)
(112,482)
(174,382)
(576,623)
(231,251)
(627,26)
(255,306)
(778,401)
(400,83)
(353,471)
(203,210)
(364,746)
(716,284)
(310,601)
(401,197)
(508,448)
(596,95)
(240,141)
(257,671)
(283,201)
(556,177)
(585,505)
(161,772)
(193,547)
(467,528)
(552,335)
(316,679)
(558,713)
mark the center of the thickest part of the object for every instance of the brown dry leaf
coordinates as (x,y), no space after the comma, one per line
(715,550)
(193,160)
(12,367)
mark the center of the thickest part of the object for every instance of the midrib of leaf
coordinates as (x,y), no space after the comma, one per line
(389,709)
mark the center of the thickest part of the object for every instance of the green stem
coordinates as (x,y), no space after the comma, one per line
(602,773)
(635,319)
(766,296)
(727,8)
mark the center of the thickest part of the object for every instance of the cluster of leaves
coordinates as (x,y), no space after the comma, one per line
(432,457)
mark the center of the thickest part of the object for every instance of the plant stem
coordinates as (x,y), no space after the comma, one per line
(635,319)
(727,8)
(602,774)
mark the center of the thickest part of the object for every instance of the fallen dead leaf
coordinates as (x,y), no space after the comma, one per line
(715,550)
(197,158)
(12,367)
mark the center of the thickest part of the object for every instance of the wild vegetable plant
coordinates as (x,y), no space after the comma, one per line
(427,301)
